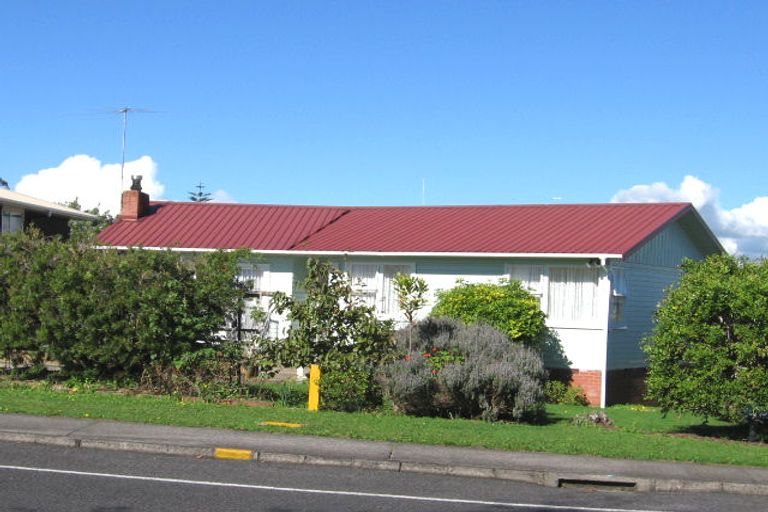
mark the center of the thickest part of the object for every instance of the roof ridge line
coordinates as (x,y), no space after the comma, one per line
(318,230)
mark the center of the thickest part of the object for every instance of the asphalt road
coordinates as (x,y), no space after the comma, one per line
(37,478)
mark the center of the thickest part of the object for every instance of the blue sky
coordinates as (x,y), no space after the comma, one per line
(330,102)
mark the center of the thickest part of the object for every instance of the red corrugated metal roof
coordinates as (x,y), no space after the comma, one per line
(221,226)
(569,229)
(615,228)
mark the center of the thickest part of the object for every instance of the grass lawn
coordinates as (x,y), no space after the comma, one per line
(639,432)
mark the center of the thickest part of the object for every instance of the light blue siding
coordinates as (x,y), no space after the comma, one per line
(646,286)
(649,271)
(667,248)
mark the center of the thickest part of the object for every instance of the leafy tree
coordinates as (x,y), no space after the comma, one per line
(708,353)
(411,295)
(199,196)
(329,327)
(507,306)
(86,231)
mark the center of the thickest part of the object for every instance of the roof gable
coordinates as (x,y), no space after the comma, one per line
(615,229)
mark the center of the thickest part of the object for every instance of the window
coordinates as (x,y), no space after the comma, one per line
(529,276)
(256,277)
(12,220)
(572,294)
(374,285)
(389,302)
(618,295)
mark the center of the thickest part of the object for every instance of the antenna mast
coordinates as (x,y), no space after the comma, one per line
(124,112)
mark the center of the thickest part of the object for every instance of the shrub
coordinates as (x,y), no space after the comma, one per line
(211,373)
(708,353)
(350,389)
(106,314)
(557,392)
(507,306)
(476,372)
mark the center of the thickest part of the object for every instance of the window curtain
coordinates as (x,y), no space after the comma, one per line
(363,280)
(389,304)
(529,276)
(572,294)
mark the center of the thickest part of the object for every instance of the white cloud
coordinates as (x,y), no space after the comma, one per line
(222,196)
(742,230)
(92,183)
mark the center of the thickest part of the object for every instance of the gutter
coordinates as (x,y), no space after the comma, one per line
(601,257)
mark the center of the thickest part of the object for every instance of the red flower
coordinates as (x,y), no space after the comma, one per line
(408,357)
(434,372)
(426,354)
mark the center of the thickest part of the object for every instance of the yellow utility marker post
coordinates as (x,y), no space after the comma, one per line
(313,403)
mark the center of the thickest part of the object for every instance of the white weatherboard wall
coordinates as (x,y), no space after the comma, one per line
(583,343)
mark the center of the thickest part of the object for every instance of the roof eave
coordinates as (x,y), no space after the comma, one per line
(59,211)
(390,254)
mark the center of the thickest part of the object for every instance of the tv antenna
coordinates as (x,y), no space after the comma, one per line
(124,111)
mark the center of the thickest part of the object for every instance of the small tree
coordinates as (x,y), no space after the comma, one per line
(507,306)
(411,297)
(330,327)
(708,353)
(199,196)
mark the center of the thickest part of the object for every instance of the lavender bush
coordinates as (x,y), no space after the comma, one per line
(465,371)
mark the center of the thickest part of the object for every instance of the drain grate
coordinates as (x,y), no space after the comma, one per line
(602,485)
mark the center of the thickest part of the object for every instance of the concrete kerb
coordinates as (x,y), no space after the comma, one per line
(540,477)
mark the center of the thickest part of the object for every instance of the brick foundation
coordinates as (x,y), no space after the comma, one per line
(626,386)
(591,381)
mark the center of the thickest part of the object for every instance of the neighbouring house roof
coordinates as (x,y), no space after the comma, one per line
(10,198)
(573,229)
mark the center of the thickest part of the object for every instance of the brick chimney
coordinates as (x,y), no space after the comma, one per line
(135,203)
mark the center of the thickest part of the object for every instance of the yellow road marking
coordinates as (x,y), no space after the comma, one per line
(280,424)
(232,453)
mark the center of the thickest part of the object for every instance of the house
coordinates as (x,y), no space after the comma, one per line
(599,270)
(20,211)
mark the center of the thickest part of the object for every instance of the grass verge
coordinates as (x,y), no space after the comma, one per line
(640,432)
